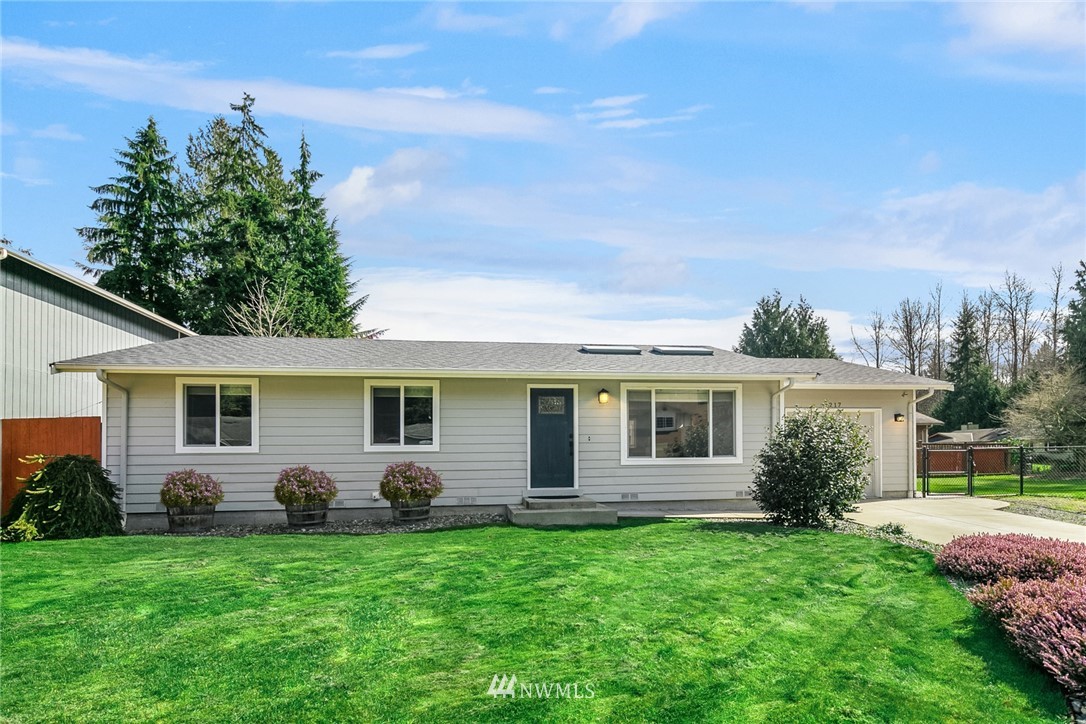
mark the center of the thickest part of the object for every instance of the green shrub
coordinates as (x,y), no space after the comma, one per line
(69,497)
(813,468)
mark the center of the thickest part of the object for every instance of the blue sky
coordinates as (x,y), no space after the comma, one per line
(631,172)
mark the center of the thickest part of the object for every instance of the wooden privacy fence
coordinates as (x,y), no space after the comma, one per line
(45,435)
(949,458)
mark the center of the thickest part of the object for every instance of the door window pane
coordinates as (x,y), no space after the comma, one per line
(200,415)
(723,424)
(639,423)
(682,423)
(418,415)
(386,416)
(235,415)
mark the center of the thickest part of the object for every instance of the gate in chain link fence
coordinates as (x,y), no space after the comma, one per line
(994,469)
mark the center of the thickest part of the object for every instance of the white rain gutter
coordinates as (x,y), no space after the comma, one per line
(122,472)
(911,417)
(776,404)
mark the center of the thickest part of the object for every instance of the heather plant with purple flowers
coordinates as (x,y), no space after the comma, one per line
(188,487)
(985,557)
(1036,589)
(408,481)
(303,485)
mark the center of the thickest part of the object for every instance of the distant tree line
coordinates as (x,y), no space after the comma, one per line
(229,244)
(1011,363)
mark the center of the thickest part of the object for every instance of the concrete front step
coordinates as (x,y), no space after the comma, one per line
(558,502)
(535,517)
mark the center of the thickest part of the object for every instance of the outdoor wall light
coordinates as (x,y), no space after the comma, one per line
(898,417)
(604,397)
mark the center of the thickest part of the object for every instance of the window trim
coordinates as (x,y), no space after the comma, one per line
(624,429)
(367,403)
(218,382)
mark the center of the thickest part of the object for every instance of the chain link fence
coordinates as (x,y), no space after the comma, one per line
(999,470)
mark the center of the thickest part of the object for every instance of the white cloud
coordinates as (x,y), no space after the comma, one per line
(550,90)
(380,52)
(627,19)
(815,6)
(368,190)
(610,113)
(153,81)
(616,101)
(449,17)
(437,92)
(57,132)
(1050,26)
(930,162)
(630,123)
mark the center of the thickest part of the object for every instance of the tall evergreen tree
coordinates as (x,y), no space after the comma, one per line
(322,286)
(780,330)
(976,397)
(238,196)
(141,231)
(1074,324)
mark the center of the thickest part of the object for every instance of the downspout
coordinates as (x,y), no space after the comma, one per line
(122,472)
(776,404)
(911,417)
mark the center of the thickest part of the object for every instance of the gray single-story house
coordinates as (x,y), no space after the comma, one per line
(659,425)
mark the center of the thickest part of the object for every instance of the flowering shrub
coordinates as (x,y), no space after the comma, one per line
(1045,620)
(304,486)
(408,481)
(188,487)
(988,558)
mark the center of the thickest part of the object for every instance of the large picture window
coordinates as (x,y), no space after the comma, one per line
(402,414)
(217,415)
(681,423)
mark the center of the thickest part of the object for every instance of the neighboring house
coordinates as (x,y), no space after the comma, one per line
(970,433)
(924,423)
(47,315)
(657,425)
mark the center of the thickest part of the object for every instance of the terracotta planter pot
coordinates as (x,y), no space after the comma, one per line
(190,518)
(410,511)
(308,515)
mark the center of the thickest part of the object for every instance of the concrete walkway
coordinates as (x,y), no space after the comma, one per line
(937,520)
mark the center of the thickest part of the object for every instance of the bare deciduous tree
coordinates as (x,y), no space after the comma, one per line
(873,351)
(937,368)
(1015,302)
(910,333)
(1055,312)
(991,337)
(265,312)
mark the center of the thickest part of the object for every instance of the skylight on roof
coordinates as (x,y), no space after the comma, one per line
(683,350)
(610,349)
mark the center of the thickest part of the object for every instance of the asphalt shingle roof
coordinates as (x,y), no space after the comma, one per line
(268,354)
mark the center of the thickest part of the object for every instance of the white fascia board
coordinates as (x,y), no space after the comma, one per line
(444,374)
(866,386)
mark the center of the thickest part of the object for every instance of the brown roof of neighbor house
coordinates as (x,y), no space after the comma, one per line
(922,419)
(287,355)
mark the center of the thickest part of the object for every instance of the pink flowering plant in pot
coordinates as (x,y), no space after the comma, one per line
(305,493)
(409,488)
(190,499)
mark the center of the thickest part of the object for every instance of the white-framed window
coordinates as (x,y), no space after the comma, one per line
(218,414)
(402,415)
(684,424)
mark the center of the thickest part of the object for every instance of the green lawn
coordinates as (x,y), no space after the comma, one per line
(1002,485)
(665,621)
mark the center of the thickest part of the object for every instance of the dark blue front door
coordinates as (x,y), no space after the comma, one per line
(551,435)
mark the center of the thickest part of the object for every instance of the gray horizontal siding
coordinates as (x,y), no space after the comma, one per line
(319,421)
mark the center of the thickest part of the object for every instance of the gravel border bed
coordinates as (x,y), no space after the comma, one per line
(338,527)
(1037,511)
(884,533)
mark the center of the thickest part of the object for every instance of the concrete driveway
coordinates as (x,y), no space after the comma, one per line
(937,520)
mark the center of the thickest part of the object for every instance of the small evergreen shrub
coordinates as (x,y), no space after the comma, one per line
(1045,620)
(303,485)
(986,557)
(69,497)
(188,487)
(813,469)
(408,481)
